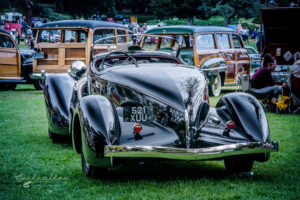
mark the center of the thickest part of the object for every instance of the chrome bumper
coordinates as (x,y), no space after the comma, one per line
(189,154)
(41,75)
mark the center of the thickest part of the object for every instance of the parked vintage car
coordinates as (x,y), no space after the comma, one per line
(281,38)
(15,64)
(139,104)
(255,57)
(199,44)
(58,44)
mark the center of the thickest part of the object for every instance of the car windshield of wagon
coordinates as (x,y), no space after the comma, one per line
(167,43)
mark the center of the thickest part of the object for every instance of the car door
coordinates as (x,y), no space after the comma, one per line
(9,58)
(241,57)
(223,44)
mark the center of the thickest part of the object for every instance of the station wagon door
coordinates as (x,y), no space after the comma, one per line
(205,47)
(9,58)
(223,44)
(60,48)
(242,58)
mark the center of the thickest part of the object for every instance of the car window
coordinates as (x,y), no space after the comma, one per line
(50,36)
(82,37)
(236,41)
(222,41)
(70,36)
(121,39)
(6,42)
(251,51)
(205,42)
(103,33)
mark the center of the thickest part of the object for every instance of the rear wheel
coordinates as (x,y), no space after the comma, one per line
(56,138)
(238,165)
(215,88)
(90,170)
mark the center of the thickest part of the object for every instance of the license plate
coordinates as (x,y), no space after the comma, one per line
(38,54)
(138,114)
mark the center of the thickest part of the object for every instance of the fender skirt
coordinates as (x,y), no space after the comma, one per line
(247,113)
(58,92)
(98,120)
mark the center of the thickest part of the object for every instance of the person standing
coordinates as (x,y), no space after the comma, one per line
(14,35)
(254,35)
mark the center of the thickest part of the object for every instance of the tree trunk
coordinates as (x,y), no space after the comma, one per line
(227,20)
(190,20)
(28,11)
(58,6)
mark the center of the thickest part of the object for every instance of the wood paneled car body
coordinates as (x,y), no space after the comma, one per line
(201,45)
(15,64)
(59,44)
(140,105)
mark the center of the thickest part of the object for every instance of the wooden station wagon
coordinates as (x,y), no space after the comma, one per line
(202,46)
(59,44)
(15,64)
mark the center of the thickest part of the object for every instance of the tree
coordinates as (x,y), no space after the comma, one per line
(163,8)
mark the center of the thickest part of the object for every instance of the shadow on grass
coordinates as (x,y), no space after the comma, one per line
(165,171)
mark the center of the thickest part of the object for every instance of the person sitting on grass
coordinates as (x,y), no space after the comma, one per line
(262,81)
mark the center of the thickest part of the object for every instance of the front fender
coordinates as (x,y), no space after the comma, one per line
(213,66)
(247,113)
(58,92)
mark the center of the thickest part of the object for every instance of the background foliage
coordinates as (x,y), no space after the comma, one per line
(231,10)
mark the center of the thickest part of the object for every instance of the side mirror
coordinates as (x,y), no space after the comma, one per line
(77,69)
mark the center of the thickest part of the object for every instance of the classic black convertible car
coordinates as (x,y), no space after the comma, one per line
(139,105)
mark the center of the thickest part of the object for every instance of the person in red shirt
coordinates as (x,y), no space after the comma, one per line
(262,80)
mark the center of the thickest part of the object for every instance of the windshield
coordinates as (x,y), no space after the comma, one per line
(132,52)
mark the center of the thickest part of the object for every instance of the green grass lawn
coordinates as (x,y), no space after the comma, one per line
(31,167)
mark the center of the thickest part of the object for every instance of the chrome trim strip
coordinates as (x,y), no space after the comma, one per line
(189,154)
(215,68)
(187,127)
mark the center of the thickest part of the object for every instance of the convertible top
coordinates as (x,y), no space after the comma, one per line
(189,29)
(81,23)
(3,31)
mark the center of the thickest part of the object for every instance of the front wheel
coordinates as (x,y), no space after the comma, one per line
(38,85)
(215,88)
(238,165)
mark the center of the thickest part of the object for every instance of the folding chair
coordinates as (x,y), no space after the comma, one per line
(263,97)
(294,87)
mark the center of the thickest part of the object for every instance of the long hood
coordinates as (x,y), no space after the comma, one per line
(172,84)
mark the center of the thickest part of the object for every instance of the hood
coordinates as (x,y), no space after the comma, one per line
(175,85)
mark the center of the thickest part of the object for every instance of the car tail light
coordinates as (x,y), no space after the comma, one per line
(230,124)
(137,128)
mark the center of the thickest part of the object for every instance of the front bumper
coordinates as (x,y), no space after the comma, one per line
(189,154)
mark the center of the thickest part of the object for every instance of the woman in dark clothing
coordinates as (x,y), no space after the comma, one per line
(262,80)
